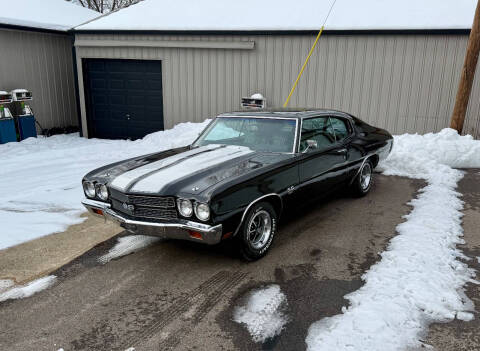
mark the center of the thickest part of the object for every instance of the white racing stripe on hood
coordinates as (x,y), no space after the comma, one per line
(160,179)
(124,180)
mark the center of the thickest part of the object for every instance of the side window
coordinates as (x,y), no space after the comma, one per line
(340,127)
(318,129)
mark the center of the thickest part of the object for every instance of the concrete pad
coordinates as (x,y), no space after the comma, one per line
(40,257)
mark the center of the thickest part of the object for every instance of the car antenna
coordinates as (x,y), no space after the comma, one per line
(308,56)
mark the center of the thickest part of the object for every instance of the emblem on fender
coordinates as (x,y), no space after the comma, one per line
(128,207)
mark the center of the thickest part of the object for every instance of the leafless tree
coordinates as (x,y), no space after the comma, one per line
(104,6)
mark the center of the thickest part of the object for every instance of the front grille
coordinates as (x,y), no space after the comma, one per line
(151,207)
(156,213)
(151,201)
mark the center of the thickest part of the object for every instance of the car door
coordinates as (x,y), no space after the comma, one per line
(318,165)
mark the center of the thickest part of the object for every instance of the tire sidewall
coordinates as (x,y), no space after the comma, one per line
(360,190)
(248,251)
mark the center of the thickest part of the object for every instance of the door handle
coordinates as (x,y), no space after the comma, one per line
(341,151)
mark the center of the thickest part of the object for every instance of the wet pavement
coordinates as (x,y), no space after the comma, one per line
(181,296)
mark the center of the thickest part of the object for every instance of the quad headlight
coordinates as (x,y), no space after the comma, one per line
(89,189)
(202,211)
(185,207)
(102,192)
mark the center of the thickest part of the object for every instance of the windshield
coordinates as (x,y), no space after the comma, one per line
(260,134)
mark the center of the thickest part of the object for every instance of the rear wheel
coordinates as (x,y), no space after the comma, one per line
(257,232)
(363,181)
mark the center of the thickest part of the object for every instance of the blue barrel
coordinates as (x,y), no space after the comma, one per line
(26,127)
(7,130)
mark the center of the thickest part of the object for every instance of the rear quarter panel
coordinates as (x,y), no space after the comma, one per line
(370,140)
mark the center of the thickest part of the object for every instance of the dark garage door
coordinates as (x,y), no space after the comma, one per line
(123,98)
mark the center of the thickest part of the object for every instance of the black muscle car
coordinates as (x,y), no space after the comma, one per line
(235,180)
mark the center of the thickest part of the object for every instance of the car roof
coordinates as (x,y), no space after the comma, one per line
(284,113)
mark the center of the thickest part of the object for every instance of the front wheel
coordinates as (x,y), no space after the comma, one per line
(257,232)
(363,181)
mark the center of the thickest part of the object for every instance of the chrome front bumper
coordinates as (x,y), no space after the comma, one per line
(182,229)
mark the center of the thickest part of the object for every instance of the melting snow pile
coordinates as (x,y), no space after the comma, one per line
(127,245)
(41,190)
(8,291)
(419,279)
(263,313)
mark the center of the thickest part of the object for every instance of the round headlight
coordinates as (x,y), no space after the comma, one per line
(185,207)
(102,192)
(202,211)
(89,189)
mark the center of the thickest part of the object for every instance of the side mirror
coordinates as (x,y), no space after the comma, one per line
(311,144)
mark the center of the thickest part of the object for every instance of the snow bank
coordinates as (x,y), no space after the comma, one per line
(417,156)
(21,291)
(40,188)
(127,245)
(419,279)
(263,313)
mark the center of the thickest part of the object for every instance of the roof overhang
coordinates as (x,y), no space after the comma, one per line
(458,31)
(32,29)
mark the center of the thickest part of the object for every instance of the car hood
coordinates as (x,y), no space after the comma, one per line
(184,171)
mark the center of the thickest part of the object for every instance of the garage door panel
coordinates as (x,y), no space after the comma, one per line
(101,114)
(136,101)
(116,84)
(96,66)
(117,100)
(118,116)
(99,99)
(153,67)
(153,101)
(118,66)
(135,84)
(109,131)
(99,83)
(124,97)
(154,84)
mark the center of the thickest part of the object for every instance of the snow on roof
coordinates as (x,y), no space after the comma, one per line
(45,14)
(178,15)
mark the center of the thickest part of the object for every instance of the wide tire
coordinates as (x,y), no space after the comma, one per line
(257,231)
(363,181)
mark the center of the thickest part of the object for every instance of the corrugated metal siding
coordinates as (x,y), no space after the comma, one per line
(405,83)
(42,63)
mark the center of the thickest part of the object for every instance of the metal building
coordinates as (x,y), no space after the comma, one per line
(141,70)
(36,54)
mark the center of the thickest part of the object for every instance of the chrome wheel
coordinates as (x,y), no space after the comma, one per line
(259,229)
(366,176)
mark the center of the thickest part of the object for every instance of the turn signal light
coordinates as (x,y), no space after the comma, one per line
(97,211)
(195,235)
(227,235)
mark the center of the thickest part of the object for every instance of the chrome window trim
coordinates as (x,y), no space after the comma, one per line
(328,115)
(348,121)
(295,142)
(307,118)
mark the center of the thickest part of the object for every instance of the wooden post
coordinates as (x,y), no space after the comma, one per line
(468,73)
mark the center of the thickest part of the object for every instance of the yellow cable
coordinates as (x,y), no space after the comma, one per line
(303,67)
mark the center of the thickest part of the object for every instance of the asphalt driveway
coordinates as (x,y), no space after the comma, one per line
(179,295)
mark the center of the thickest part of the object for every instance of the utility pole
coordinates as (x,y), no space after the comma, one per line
(468,73)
